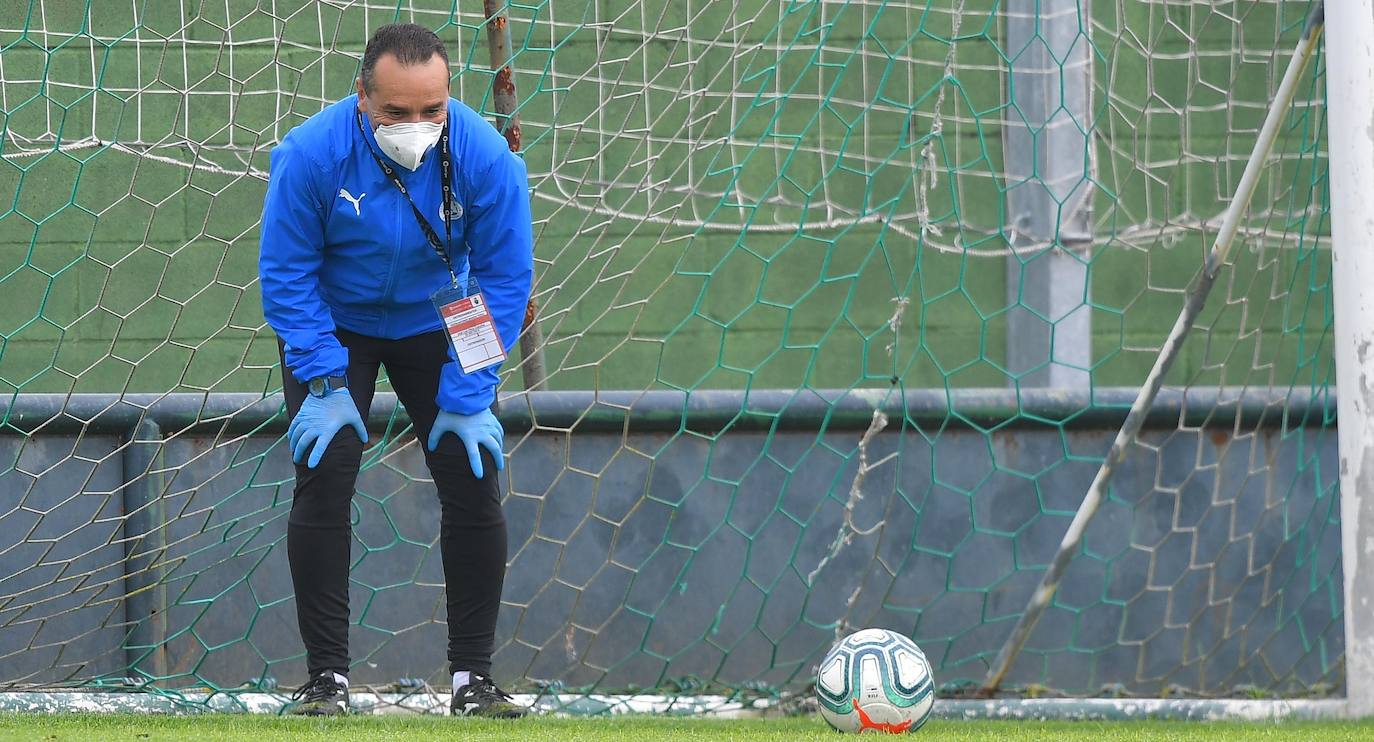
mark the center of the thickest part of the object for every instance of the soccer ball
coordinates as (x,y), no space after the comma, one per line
(876,680)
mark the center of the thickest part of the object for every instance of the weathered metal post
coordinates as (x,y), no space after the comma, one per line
(506,102)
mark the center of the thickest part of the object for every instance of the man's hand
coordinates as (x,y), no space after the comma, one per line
(478,431)
(317,422)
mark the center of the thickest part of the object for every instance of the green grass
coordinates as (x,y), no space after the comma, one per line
(100,728)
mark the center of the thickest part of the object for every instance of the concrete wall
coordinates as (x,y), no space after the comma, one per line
(638,558)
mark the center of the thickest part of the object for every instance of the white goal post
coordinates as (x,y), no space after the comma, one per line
(1350,102)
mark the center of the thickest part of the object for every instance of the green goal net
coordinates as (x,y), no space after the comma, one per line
(839,305)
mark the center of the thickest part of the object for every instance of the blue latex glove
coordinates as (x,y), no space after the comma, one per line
(317,422)
(482,429)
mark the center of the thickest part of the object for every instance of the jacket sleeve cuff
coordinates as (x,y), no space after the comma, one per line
(309,364)
(465,394)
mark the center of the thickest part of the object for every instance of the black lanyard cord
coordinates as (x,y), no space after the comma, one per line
(446,174)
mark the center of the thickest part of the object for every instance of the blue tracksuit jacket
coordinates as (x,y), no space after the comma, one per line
(341,247)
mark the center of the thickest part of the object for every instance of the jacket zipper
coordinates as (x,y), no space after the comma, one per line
(383,330)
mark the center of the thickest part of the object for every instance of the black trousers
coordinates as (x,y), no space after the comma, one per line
(472,527)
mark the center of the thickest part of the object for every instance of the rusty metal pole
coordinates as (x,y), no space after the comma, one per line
(506,101)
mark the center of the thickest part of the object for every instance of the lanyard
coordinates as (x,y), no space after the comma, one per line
(445,167)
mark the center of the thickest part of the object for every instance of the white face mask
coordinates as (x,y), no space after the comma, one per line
(407,143)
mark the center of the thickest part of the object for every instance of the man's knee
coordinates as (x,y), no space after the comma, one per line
(464,498)
(323,493)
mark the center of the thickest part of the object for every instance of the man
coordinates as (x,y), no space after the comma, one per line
(382,211)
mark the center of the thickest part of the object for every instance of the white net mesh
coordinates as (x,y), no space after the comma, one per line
(759,225)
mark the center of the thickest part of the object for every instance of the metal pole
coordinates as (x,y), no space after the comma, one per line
(1350,107)
(225,415)
(145,548)
(506,103)
(1049,196)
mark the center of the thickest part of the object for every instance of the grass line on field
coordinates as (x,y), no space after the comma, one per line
(136,728)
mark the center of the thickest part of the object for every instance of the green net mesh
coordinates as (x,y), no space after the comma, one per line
(842,303)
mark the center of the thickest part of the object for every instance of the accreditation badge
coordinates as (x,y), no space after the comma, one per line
(470,329)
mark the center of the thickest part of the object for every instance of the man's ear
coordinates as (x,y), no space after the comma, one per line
(362,95)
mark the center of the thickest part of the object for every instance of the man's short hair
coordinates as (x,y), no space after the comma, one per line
(409,42)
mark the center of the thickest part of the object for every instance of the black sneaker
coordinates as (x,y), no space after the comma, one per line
(324,695)
(482,698)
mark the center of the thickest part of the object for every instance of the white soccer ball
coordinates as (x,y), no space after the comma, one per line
(875,680)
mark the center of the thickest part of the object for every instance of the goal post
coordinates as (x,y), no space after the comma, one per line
(1350,98)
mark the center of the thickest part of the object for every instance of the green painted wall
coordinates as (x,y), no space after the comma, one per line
(710,197)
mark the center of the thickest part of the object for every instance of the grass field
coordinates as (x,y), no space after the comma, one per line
(100,728)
